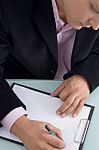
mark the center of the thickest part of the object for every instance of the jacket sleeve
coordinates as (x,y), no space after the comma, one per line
(89,68)
(8,100)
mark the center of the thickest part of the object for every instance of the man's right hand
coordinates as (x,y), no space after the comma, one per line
(34,135)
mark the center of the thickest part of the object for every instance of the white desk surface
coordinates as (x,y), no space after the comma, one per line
(92,139)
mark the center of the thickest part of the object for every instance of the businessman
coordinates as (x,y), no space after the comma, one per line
(47,40)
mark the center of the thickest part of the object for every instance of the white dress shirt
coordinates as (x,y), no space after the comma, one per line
(65,37)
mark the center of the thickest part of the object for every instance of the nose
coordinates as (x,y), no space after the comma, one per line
(94,23)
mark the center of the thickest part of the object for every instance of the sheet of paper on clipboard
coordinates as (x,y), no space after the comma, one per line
(41,106)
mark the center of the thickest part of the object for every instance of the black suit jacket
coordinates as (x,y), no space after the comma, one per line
(28,48)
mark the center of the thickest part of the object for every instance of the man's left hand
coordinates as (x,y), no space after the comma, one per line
(73,92)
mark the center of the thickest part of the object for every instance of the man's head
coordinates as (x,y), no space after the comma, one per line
(82,13)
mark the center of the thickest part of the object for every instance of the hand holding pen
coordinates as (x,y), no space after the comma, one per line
(35,136)
(53,133)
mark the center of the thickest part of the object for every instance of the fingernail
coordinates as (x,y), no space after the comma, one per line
(63,115)
(74,115)
(57,112)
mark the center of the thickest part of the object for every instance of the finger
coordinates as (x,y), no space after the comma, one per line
(66,104)
(50,147)
(72,107)
(64,94)
(56,130)
(46,146)
(79,107)
(58,90)
(54,141)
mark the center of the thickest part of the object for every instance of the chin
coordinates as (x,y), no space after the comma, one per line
(75,26)
(79,28)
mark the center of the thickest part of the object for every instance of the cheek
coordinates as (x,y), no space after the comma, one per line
(75,15)
(80,17)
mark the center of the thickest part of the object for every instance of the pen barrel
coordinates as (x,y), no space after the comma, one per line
(52,133)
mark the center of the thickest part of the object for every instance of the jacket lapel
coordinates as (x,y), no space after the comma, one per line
(44,20)
(81,45)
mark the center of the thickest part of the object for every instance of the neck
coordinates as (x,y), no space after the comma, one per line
(60,7)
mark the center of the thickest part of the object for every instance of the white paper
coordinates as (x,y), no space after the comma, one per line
(43,107)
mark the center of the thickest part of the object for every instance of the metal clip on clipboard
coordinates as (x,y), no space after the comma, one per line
(81,131)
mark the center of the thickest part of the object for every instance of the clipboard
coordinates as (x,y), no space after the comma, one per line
(84,123)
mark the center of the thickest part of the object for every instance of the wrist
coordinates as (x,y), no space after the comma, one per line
(20,127)
(12,116)
(86,82)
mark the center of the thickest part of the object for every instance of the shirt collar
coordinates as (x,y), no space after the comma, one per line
(59,22)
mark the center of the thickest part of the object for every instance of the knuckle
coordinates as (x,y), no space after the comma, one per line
(73,84)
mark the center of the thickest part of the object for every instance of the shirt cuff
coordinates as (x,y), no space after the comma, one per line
(12,117)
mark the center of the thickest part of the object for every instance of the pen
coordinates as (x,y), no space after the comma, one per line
(52,132)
